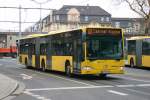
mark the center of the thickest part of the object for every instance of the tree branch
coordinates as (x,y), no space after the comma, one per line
(141,5)
(132,8)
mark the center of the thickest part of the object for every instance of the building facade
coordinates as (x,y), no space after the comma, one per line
(131,26)
(70,17)
(8,39)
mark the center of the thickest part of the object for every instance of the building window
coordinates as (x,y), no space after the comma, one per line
(107,19)
(57,17)
(47,20)
(73,18)
(102,19)
(86,18)
(117,24)
(137,27)
(54,18)
(129,24)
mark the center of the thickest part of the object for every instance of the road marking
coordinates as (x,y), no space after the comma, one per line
(140,92)
(68,88)
(88,87)
(130,85)
(56,76)
(127,78)
(116,92)
(26,77)
(139,75)
(27,92)
(73,80)
(36,96)
(41,98)
(142,85)
(70,80)
(134,85)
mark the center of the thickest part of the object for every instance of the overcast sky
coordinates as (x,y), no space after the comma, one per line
(34,15)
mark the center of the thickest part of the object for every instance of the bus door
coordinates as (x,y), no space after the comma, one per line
(48,56)
(30,55)
(138,53)
(37,53)
(77,55)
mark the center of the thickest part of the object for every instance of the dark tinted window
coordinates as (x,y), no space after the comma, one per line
(131,47)
(146,47)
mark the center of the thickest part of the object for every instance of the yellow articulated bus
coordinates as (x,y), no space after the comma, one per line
(138,51)
(81,51)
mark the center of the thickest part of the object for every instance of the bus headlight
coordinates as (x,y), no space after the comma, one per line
(121,68)
(87,68)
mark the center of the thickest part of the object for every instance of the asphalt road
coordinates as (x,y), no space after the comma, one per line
(133,85)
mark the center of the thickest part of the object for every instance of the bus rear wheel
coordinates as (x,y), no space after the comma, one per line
(131,62)
(43,66)
(26,63)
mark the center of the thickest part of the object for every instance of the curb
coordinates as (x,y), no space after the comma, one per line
(19,90)
(10,87)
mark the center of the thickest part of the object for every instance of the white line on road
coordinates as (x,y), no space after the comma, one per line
(72,80)
(116,92)
(142,85)
(136,91)
(68,88)
(88,87)
(133,79)
(130,85)
(25,76)
(36,96)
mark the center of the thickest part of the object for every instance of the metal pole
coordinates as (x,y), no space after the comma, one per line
(41,17)
(20,23)
(19,32)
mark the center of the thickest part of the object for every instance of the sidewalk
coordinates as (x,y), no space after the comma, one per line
(7,86)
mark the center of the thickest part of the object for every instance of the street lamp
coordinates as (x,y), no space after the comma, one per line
(40,2)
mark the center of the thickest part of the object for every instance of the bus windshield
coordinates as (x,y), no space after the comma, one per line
(104,48)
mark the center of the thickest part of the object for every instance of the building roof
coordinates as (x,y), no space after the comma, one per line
(22,33)
(84,10)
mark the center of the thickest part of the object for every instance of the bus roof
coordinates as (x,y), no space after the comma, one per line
(138,37)
(68,30)
(32,36)
(61,31)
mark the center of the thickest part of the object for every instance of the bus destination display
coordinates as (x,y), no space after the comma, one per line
(103,31)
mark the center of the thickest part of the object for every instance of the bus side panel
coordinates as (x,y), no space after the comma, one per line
(58,62)
(146,60)
(131,57)
(33,60)
(22,57)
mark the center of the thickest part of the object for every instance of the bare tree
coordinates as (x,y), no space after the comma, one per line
(141,7)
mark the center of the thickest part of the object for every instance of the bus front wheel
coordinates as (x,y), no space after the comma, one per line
(102,75)
(68,69)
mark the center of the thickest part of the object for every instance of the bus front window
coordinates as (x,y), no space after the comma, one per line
(105,48)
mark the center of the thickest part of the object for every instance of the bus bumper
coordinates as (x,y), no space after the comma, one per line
(118,70)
